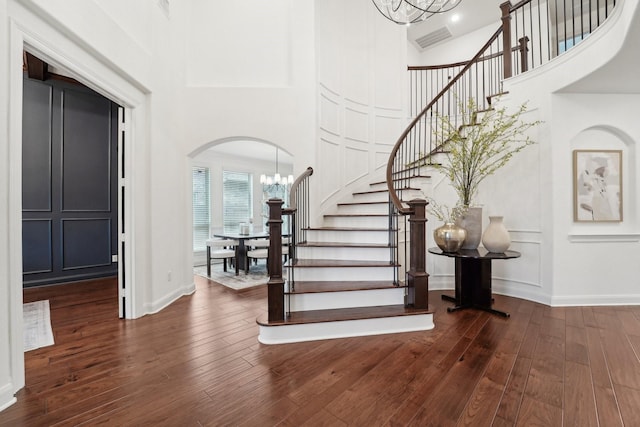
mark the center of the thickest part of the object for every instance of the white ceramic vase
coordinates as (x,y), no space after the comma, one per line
(496,237)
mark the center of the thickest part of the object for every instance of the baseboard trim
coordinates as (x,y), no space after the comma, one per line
(7,397)
(167,300)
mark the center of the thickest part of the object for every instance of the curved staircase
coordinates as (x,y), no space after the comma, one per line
(363,271)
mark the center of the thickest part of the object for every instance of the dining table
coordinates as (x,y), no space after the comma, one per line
(235,234)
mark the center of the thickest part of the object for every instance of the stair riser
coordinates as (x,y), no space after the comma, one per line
(371,197)
(331,300)
(361,254)
(378,208)
(348,236)
(341,329)
(407,195)
(324,274)
(358,221)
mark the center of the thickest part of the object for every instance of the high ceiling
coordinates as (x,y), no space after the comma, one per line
(471,15)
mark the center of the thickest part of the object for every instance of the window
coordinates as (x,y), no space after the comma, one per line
(275,191)
(236,198)
(201,207)
(567,44)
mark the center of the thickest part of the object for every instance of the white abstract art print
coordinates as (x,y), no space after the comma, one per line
(597,185)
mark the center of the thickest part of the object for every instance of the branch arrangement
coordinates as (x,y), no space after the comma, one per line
(477,149)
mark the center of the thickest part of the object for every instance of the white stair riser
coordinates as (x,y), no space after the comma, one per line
(357,221)
(324,274)
(377,208)
(407,195)
(371,197)
(362,254)
(331,300)
(342,329)
(348,236)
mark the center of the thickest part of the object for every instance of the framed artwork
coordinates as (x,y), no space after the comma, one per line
(597,185)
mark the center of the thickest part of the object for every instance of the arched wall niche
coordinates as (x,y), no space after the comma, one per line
(606,137)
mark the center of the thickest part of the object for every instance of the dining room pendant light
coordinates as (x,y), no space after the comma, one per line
(407,12)
(276,179)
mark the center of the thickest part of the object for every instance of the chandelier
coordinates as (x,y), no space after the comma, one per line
(276,179)
(406,12)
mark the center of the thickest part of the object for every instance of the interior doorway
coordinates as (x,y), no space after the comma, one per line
(71,137)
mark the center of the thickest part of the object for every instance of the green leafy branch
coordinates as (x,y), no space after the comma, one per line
(478,149)
(445,213)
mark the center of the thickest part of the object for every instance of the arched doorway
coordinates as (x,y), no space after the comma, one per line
(230,170)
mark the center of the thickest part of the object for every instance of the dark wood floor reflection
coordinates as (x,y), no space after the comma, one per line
(198,362)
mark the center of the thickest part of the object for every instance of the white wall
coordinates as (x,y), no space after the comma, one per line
(251,39)
(361,95)
(11,378)
(595,263)
(251,77)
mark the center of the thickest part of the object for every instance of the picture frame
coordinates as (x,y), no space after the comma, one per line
(597,185)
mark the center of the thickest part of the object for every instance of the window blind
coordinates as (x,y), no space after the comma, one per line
(201,207)
(236,199)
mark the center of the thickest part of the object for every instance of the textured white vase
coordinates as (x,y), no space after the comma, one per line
(496,237)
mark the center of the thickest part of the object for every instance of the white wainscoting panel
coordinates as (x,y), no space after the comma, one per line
(356,163)
(356,125)
(329,115)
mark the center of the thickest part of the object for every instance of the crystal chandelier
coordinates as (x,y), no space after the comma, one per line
(408,12)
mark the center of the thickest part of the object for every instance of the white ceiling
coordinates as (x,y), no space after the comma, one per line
(472,15)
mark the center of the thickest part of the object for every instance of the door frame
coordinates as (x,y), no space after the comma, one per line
(43,40)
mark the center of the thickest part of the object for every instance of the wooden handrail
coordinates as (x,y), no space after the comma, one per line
(293,194)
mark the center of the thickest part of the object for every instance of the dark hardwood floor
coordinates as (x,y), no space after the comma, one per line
(198,362)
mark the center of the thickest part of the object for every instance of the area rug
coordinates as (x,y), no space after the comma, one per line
(257,276)
(37,325)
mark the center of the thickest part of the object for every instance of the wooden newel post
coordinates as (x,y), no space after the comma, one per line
(417,277)
(506,37)
(275,285)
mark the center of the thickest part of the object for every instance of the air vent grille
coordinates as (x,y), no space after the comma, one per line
(433,37)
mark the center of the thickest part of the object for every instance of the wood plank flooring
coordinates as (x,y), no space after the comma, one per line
(198,362)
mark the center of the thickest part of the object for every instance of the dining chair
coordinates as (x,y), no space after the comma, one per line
(224,249)
(256,249)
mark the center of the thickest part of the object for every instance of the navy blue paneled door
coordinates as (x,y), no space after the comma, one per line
(69,183)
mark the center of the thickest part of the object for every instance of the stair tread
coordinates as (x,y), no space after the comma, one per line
(362,193)
(342,314)
(343,245)
(310,263)
(346,229)
(385,202)
(308,287)
(355,215)
(359,193)
(401,178)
